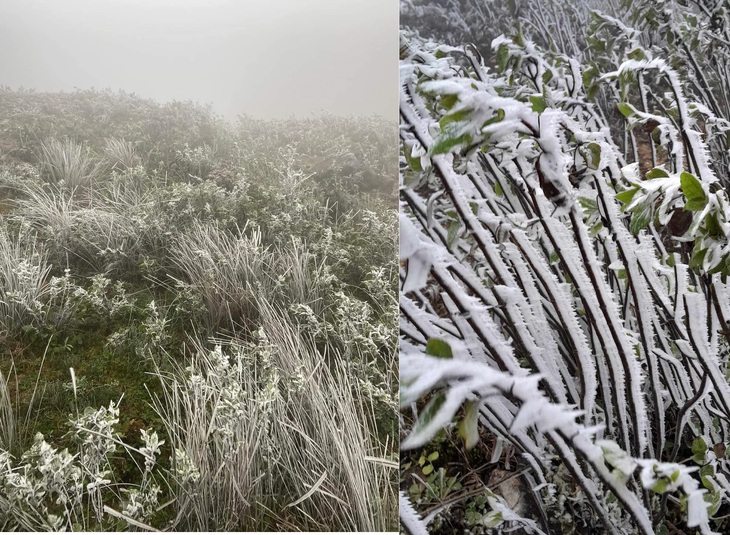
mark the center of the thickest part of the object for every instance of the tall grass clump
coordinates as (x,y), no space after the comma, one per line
(229,269)
(269,433)
(120,154)
(68,162)
(303,277)
(213,411)
(226,269)
(7,417)
(102,233)
(327,424)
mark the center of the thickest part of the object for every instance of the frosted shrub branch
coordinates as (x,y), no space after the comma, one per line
(543,267)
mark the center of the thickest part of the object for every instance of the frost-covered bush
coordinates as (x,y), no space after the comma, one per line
(92,117)
(577,318)
(553,24)
(48,489)
(24,274)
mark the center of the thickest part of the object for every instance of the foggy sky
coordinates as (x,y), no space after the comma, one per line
(265,58)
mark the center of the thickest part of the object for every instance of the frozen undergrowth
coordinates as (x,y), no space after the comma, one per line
(150,248)
(545,263)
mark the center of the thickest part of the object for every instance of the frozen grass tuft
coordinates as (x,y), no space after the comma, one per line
(225,269)
(120,154)
(229,270)
(268,431)
(69,163)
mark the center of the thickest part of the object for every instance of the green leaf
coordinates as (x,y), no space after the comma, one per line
(433,456)
(715,500)
(414,162)
(626,109)
(692,188)
(427,469)
(589,75)
(713,226)
(452,136)
(661,486)
(538,103)
(438,348)
(502,57)
(498,116)
(637,54)
(452,234)
(699,447)
(429,412)
(698,257)
(547,76)
(627,196)
(639,221)
(706,472)
(595,153)
(448,101)
(589,205)
(657,173)
(469,425)
(595,229)
(695,205)
(455,117)
(720,267)
(492,519)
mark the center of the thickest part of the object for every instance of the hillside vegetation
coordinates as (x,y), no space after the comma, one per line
(565,248)
(197,318)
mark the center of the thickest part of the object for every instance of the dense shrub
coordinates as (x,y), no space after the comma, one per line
(564,271)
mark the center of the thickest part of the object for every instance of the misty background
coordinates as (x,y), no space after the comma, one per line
(262,58)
